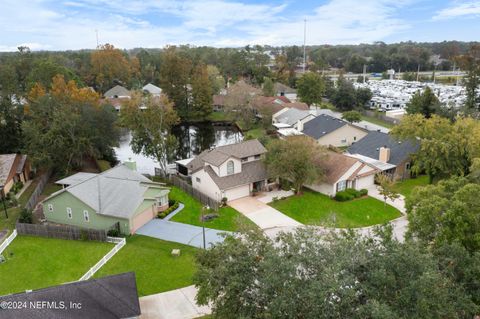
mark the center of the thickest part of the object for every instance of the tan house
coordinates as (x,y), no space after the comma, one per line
(13,168)
(328,130)
(230,171)
(342,172)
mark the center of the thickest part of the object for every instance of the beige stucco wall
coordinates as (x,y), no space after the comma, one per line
(206,184)
(8,186)
(237,167)
(324,188)
(348,132)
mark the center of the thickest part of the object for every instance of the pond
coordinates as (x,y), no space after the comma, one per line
(192,140)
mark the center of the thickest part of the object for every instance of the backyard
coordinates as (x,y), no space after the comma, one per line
(313,208)
(155,268)
(228,219)
(37,262)
(407,186)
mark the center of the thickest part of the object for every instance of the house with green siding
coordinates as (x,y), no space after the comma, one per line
(119,197)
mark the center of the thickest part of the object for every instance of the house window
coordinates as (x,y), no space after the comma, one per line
(230,167)
(257,157)
(354,138)
(342,185)
(197,179)
(245,159)
(85,216)
(69,213)
(50,208)
(407,166)
(344,140)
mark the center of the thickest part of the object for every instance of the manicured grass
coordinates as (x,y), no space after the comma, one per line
(51,188)
(155,268)
(255,133)
(313,208)
(219,117)
(103,165)
(13,214)
(377,121)
(407,186)
(229,218)
(39,262)
(27,193)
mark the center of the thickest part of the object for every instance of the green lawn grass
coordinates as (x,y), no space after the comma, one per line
(377,121)
(51,188)
(229,219)
(23,199)
(155,268)
(39,262)
(103,165)
(220,117)
(313,208)
(407,186)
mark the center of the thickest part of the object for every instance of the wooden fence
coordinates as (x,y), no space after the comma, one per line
(32,202)
(7,241)
(61,232)
(381,117)
(120,242)
(204,199)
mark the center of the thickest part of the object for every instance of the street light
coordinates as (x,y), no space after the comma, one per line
(203,225)
(3,200)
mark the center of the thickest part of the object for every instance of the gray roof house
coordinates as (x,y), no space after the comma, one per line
(152,89)
(291,116)
(231,171)
(110,297)
(116,92)
(119,195)
(384,148)
(328,130)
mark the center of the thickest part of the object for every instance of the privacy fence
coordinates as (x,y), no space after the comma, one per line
(381,116)
(204,199)
(32,202)
(61,232)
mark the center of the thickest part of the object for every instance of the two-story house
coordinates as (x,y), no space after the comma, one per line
(231,171)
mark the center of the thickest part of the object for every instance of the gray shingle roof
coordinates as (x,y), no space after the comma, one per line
(117,91)
(21,163)
(116,192)
(75,178)
(322,125)
(107,298)
(152,89)
(370,145)
(251,172)
(282,88)
(219,155)
(292,116)
(6,163)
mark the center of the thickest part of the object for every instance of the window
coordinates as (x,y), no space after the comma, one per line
(342,185)
(85,216)
(69,212)
(407,166)
(344,140)
(50,208)
(257,157)
(354,138)
(230,167)
(197,179)
(245,159)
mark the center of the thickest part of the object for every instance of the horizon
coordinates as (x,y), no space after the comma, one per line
(47,25)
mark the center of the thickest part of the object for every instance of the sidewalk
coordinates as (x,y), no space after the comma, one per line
(174,304)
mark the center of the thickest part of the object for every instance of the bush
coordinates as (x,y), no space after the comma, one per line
(113,233)
(17,187)
(344,196)
(363,192)
(353,192)
(224,201)
(26,216)
(285,185)
(170,209)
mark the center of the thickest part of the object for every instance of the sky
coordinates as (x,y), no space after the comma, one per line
(74,24)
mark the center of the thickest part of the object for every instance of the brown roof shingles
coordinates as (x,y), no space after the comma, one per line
(251,172)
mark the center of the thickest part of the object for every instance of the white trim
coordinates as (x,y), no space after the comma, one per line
(69,213)
(86,216)
(7,241)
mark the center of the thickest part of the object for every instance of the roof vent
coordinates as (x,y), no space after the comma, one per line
(324,132)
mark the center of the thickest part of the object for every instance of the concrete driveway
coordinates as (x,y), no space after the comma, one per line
(174,304)
(180,233)
(264,216)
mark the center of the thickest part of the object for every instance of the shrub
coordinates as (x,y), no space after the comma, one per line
(26,216)
(224,201)
(343,196)
(113,233)
(363,192)
(285,184)
(170,209)
(353,192)
(83,235)
(17,187)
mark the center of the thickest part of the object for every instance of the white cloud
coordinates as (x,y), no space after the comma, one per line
(459,10)
(127,24)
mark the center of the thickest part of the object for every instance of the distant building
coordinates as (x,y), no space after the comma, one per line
(110,297)
(116,92)
(284,90)
(13,168)
(152,89)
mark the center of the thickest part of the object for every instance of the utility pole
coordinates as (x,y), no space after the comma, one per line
(304,44)
(364,72)
(418,72)
(96,33)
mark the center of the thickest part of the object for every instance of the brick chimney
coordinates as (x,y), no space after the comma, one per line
(384,154)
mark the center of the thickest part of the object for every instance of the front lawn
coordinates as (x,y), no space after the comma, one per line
(38,262)
(407,186)
(229,219)
(313,208)
(155,268)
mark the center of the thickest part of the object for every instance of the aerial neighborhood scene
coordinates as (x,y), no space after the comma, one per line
(240,159)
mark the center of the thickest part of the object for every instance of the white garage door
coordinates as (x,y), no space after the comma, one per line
(238,192)
(141,219)
(365,182)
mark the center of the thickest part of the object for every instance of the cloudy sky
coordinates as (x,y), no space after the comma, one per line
(72,24)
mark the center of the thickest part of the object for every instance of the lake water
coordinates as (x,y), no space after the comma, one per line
(192,140)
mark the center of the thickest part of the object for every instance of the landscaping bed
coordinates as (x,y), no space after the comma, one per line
(155,268)
(228,218)
(312,208)
(39,262)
